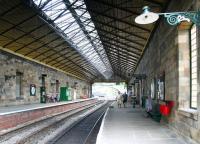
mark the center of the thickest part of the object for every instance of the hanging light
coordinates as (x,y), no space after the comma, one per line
(173,18)
(146,17)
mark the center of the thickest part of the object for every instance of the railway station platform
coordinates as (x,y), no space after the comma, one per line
(13,117)
(131,126)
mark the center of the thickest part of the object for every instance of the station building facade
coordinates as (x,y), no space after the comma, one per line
(18,76)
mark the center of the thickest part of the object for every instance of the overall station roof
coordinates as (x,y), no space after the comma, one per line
(88,39)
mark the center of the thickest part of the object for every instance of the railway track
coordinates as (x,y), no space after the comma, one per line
(85,131)
(92,136)
(45,127)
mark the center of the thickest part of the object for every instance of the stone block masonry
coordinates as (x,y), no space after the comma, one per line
(31,73)
(168,52)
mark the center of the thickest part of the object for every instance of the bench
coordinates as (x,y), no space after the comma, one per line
(155,112)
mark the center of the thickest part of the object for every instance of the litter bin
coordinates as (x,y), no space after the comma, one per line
(144,101)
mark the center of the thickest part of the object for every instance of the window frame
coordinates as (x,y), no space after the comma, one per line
(190,42)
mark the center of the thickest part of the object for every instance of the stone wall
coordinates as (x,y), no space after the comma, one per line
(168,53)
(31,74)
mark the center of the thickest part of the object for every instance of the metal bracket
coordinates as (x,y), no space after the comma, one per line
(177,17)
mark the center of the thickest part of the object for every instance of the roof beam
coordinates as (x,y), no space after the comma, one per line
(103,37)
(125,67)
(114,34)
(81,24)
(63,55)
(108,9)
(155,2)
(51,24)
(36,40)
(120,42)
(23,35)
(68,7)
(118,19)
(72,68)
(15,25)
(75,73)
(48,49)
(49,56)
(116,6)
(122,30)
(59,56)
(44,4)
(67,67)
(107,24)
(122,59)
(124,62)
(10,9)
(120,56)
(107,42)
(124,52)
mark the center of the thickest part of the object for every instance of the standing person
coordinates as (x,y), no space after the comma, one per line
(125,99)
(119,99)
(148,104)
(129,95)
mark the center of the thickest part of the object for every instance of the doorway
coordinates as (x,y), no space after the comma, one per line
(18,85)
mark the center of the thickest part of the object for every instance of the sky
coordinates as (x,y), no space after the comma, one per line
(108,91)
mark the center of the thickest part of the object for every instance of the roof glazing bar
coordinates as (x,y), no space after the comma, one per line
(60,19)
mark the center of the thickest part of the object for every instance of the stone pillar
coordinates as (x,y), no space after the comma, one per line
(90,90)
(184,69)
(197,6)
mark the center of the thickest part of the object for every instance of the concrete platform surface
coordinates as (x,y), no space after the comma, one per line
(130,126)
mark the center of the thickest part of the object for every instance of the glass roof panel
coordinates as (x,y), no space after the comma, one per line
(84,19)
(39,2)
(78,28)
(94,35)
(79,12)
(88,28)
(91,24)
(53,4)
(82,44)
(72,30)
(66,16)
(79,38)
